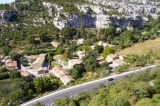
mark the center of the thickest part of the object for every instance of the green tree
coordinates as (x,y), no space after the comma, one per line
(99,48)
(5,50)
(16,94)
(31,39)
(49,58)
(38,83)
(127,36)
(46,83)
(74,73)
(14,55)
(69,32)
(42,84)
(42,36)
(157,85)
(90,60)
(120,101)
(107,50)
(110,32)
(56,36)
(14,74)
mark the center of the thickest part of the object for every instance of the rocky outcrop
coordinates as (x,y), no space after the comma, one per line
(5,15)
(132,6)
(96,9)
(96,21)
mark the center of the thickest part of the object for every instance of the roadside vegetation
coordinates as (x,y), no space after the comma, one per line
(140,89)
(15,89)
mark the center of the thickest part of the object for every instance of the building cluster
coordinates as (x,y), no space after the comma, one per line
(37,65)
(9,63)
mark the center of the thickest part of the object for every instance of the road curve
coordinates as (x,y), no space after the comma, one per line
(48,99)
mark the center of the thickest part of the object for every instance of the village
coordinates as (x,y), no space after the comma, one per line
(37,65)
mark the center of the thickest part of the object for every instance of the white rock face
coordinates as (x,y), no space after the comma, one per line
(138,7)
(59,22)
(96,21)
(5,15)
(103,21)
(96,9)
(50,11)
(49,5)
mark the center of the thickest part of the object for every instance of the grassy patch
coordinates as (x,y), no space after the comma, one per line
(54,63)
(142,48)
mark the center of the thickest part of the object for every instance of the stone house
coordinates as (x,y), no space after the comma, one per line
(56,44)
(73,62)
(62,74)
(80,41)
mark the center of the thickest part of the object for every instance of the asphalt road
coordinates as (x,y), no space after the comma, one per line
(48,99)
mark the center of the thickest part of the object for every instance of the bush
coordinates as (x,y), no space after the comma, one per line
(4,75)
(24,62)
(121,68)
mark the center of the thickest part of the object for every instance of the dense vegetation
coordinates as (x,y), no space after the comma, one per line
(140,89)
(135,60)
(15,89)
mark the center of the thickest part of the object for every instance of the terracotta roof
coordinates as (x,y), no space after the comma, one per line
(14,63)
(118,61)
(59,71)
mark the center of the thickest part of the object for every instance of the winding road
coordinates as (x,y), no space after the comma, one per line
(48,99)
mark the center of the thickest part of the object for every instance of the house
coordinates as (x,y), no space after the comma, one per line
(100,43)
(62,74)
(121,57)
(58,71)
(26,75)
(118,62)
(66,79)
(80,41)
(10,64)
(37,72)
(100,60)
(39,62)
(73,62)
(31,57)
(93,47)
(81,54)
(56,44)
(111,57)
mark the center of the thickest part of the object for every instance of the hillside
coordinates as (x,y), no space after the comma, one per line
(47,45)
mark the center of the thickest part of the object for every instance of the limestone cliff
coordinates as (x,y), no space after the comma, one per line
(96,21)
(5,15)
